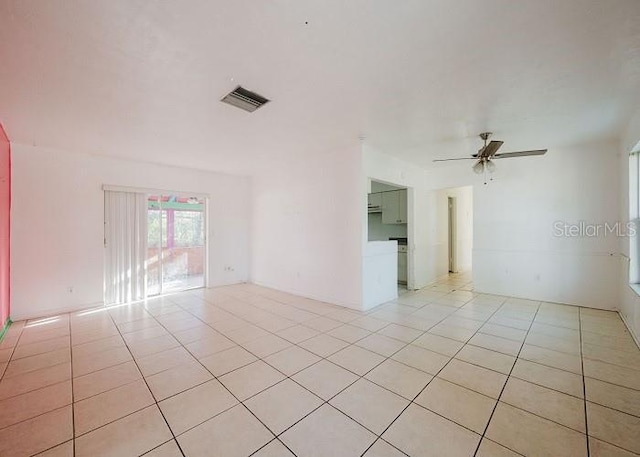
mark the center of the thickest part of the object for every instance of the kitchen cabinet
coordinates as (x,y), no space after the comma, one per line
(375,203)
(394,207)
(402,264)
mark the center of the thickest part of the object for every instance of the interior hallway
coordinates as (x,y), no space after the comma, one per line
(244,370)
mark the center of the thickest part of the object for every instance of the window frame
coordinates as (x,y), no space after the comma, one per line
(634,218)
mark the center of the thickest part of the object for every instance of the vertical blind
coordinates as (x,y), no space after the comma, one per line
(125,237)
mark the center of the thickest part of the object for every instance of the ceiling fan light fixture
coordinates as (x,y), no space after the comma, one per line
(484,157)
(478,168)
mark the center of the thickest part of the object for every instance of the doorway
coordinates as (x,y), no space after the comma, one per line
(387,221)
(175,243)
(455,230)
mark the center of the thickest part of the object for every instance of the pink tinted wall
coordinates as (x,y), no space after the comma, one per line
(5,209)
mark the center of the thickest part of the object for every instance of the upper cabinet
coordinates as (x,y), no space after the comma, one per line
(375,203)
(402,203)
(394,206)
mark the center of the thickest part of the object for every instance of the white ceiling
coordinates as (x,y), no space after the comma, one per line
(417,78)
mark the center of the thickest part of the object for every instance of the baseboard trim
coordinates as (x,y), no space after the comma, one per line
(630,328)
(331,301)
(3,332)
(557,302)
(222,284)
(54,311)
(94,306)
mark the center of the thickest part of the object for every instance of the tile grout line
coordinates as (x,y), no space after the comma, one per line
(327,402)
(34,390)
(160,445)
(271,441)
(507,381)
(55,445)
(343,323)
(73,404)
(42,355)
(359,377)
(584,385)
(41,414)
(240,402)
(434,376)
(27,372)
(13,350)
(351,344)
(388,323)
(342,390)
(146,383)
(260,358)
(297,344)
(213,375)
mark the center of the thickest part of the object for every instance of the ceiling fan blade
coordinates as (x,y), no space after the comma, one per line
(458,158)
(506,155)
(491,148)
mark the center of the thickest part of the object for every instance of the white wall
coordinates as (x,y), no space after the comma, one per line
(306,226)
(57,224)
(464,227)
(515,251)
(629,299)
(306,223)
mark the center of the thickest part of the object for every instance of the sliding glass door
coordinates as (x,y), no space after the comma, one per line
(176,254)
(154,243)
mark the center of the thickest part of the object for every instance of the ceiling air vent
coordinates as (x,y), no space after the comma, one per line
(244,99)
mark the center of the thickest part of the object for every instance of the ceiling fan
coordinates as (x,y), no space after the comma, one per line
(485,155)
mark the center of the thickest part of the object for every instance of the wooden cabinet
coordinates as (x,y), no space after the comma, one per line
(394,207)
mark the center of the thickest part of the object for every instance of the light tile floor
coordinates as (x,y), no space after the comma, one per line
(245,370)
